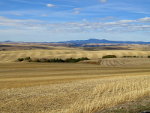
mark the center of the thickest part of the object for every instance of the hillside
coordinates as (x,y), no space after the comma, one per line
(65,52)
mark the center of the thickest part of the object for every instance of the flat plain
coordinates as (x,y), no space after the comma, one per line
(71,87)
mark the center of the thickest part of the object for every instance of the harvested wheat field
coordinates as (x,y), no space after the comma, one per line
(69,88)
(65,52)
(31,87)
(119,62)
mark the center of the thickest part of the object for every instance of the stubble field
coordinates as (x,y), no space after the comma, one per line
(65,52)
(69,87)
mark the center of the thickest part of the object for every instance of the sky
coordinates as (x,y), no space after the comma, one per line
(61,20)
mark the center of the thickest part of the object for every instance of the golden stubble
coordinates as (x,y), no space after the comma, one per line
(69,88)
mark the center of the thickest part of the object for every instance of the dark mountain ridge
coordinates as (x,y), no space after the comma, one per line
(96,41)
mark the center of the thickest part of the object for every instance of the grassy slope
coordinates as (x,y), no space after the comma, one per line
(64,52)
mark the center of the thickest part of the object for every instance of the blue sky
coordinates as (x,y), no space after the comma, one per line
(59,20)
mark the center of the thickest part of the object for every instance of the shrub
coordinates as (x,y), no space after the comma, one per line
(24,59)
(73,60)
(56,60)
(109,56)
(130,56)
(59,60)
(134,56)
(84,58)
(20,59)
(127,56)
(36,60)
(27,58)
(148,56)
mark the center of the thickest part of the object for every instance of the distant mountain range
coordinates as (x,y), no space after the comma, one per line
(96,41)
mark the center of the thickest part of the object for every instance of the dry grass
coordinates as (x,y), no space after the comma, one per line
(119,62)
(125,62)
(111,92)
(64,52)
(69,88)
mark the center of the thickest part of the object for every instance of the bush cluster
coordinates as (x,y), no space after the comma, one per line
(129,56)
(24,59)
(57,60)
(47,60)
(73,60)
(132,56)
(109,56)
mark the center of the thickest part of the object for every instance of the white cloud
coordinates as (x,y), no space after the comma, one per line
(83,26)
(18,23)
(77,10)
(103,1)
(127,21)
(146,19)
(50,5)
